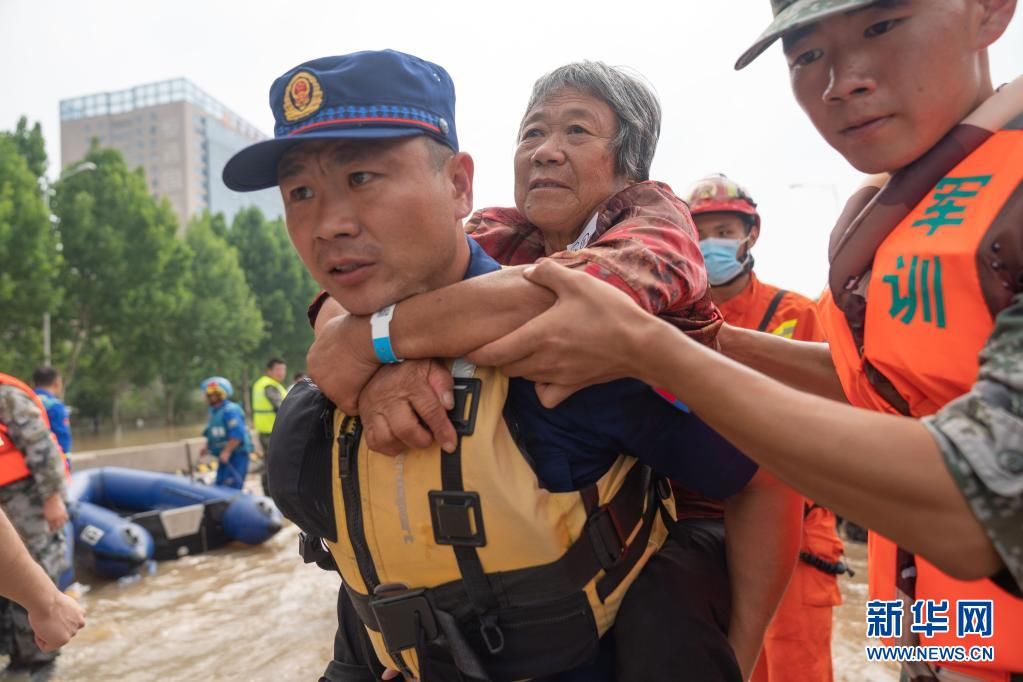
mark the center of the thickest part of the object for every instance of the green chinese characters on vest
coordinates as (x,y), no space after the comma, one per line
(948,207)
(917,291)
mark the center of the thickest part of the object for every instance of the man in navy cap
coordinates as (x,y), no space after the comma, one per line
(366,157)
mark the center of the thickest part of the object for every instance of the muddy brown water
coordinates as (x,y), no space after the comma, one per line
(850,626)
(128,436)
(259,613)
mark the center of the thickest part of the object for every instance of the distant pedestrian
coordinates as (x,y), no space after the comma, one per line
(49,386)
(267,394)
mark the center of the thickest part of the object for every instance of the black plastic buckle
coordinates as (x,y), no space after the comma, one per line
(457,518)
(404,616)
(606,538)
(312,551)
(467,402)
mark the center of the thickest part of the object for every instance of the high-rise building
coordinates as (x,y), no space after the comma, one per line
(180,136)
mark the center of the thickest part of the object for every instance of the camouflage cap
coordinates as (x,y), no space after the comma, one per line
(790,15)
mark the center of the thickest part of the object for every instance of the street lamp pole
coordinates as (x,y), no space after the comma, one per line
(46,338)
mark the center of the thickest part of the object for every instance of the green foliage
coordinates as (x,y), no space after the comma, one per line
(139,316)
(118,246)
(28,245)
(282,287)
(94,383)
(218,324)
(31,145)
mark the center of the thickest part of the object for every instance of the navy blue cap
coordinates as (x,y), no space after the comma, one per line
(363,95)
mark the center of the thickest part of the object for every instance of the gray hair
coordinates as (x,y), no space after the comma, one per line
(630,97)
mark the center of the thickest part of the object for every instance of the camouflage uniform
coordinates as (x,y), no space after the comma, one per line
(22,501)
(790,15)
(981,437)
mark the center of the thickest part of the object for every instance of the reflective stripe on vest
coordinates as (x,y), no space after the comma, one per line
(926,321)
(263,412)
(526,528)
(12,460)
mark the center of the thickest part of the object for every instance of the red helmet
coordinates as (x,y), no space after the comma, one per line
(717,193)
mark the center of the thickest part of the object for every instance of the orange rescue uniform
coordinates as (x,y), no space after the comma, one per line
(797,647)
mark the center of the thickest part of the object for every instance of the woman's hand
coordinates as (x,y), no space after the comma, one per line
(404,407)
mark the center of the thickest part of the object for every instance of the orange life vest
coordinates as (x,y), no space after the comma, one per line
(927,315)
(12,460)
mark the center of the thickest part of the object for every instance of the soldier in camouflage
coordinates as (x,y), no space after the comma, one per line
(35,506)
(981,439)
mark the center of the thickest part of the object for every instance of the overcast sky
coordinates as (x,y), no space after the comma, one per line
(745,124)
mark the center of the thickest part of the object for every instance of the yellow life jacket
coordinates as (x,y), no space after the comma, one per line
(463,560)
(263,412)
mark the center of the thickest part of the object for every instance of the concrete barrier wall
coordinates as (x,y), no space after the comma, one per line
(167,457)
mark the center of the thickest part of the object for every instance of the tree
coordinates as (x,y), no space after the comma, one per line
(218,324)
(31,145)
(28,246)
(118,246)
(282,286)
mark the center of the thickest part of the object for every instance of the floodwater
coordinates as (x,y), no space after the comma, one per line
(850,627)
(259,613)
(129,436)
(243,613)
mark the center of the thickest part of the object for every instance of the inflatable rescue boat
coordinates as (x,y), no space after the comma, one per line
(124,518)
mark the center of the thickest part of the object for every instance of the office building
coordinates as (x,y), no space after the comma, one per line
(179,135)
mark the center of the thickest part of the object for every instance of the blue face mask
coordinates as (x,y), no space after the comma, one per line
(722,259)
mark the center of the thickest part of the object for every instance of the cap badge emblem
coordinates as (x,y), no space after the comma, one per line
(303,96)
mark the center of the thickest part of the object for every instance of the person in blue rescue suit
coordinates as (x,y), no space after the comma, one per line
(374,197)
(923,316)
(227,438)
(32,490)
(49,386)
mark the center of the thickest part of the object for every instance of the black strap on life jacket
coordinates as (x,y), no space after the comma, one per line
(416,618)
(601,546)
(348,470)
(458,517)
(771,308)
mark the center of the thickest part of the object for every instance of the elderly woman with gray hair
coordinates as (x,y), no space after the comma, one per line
(583,197)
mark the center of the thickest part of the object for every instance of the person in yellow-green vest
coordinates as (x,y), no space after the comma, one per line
(267,394)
